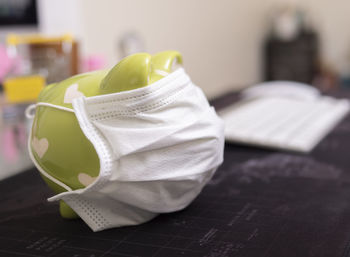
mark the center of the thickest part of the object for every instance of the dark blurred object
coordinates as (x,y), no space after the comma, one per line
(295,59)
(326,79)
(18,13)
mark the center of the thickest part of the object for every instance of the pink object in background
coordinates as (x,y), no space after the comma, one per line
(93,62)
(5,62)
(9,65)
(9,147)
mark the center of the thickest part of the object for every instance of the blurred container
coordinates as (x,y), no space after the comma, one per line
(23,89)
(55,58)
(39,60)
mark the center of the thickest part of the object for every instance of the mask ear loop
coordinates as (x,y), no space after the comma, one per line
(41,170)
(30,111)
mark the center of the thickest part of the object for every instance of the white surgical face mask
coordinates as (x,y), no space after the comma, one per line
(157,145)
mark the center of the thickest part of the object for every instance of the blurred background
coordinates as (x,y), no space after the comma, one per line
(224,44)
(227,45)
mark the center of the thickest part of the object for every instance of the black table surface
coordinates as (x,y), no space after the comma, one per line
(260,203)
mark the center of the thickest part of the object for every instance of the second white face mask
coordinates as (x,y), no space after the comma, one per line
(158,146)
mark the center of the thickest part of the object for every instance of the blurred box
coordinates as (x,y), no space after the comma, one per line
(38,60)
(23,89)
(54,58)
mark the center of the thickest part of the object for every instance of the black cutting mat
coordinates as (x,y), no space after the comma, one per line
(260,203)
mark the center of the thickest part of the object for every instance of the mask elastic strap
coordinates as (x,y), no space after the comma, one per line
(44,173)
(30,111)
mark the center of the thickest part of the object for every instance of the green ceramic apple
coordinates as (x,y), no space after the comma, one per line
(57,142)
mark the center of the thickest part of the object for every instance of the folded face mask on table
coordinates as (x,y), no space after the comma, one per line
(157,146)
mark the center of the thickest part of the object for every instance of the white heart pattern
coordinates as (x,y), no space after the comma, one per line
(86,179)
(71,93)
(40,146)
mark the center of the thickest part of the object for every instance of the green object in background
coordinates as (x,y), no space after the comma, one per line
(57,142)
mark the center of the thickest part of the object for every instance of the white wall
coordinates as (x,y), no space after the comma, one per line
(220,40)
(60,16)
